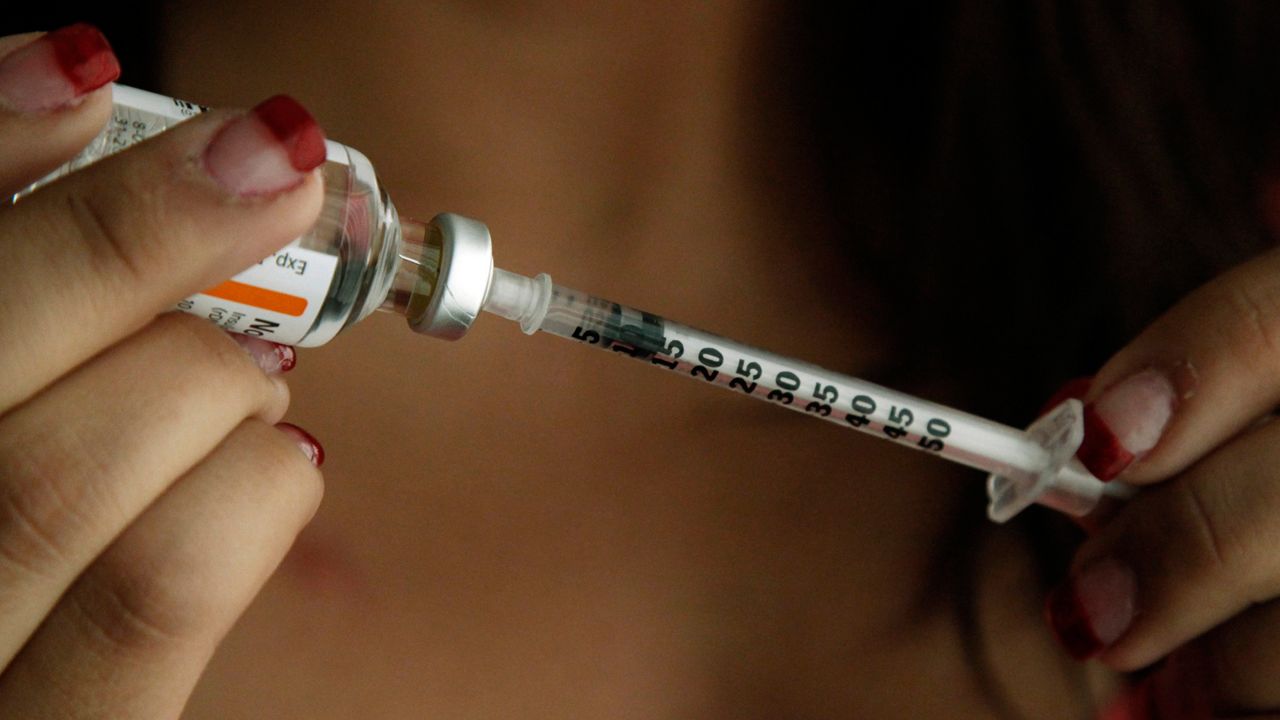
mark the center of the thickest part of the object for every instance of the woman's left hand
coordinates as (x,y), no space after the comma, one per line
(1187,574)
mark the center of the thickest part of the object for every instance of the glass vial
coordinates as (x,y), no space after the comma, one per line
(358,257)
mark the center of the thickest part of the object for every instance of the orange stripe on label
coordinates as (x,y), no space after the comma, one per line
(258,297)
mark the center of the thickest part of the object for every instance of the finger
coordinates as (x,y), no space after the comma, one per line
(132,635)
(1196,377)
(52,100)
(1238,664)
(1174,690)
(96,255)
(71,480)
(1229,673)
(1179,559)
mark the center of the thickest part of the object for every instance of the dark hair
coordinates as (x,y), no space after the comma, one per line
(1030,184)
(1033,182)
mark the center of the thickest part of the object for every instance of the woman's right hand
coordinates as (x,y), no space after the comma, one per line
(146,490)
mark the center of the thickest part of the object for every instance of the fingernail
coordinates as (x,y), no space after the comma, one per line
(273,358)
(306,443)
(1091,610)
(1125,423)
(1074,389)
(267,150)
(57,69)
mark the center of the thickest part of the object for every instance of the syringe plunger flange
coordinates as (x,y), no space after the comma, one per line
(1062,483)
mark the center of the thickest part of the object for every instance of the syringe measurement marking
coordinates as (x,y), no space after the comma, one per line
(1025,458)
(748,377)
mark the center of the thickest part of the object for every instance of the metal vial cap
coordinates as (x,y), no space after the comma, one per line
(466,266)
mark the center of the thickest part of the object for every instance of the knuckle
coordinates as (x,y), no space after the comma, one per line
(29,546)
(1219,549)
(50,494)
(138,605)
(122,229)
(1255,306)
(148,594)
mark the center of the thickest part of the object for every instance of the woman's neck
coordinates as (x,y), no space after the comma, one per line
(766,560)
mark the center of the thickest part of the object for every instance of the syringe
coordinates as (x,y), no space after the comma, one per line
(360,256)
(1036,465)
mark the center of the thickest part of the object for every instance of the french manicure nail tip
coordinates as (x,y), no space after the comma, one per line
(1125,422)
(1092,610)
(271,357)
(306,442)
(1138,409)
(265,151)
(295,129)
(57,69)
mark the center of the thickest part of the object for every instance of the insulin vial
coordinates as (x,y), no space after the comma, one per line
(358,257)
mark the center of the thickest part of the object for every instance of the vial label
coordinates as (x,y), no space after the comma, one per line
(135,116)
(277,299)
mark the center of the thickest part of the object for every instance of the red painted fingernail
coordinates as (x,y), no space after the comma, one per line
(306,442)
(1091,610)
(1074,389)
(1126,422)
(273,358)
(268,150)
(57,69)
(295,129)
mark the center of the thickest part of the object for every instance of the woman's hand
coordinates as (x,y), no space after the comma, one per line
(1188,572)
(145,495)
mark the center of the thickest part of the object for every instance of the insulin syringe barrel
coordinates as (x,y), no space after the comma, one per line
(358,257)
(539,305)
(1026,466)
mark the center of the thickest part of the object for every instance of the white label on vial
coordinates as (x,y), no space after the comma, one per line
(277,299)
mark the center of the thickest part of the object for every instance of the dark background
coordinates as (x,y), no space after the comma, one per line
(131,29)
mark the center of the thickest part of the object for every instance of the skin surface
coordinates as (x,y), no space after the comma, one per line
(518,527)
